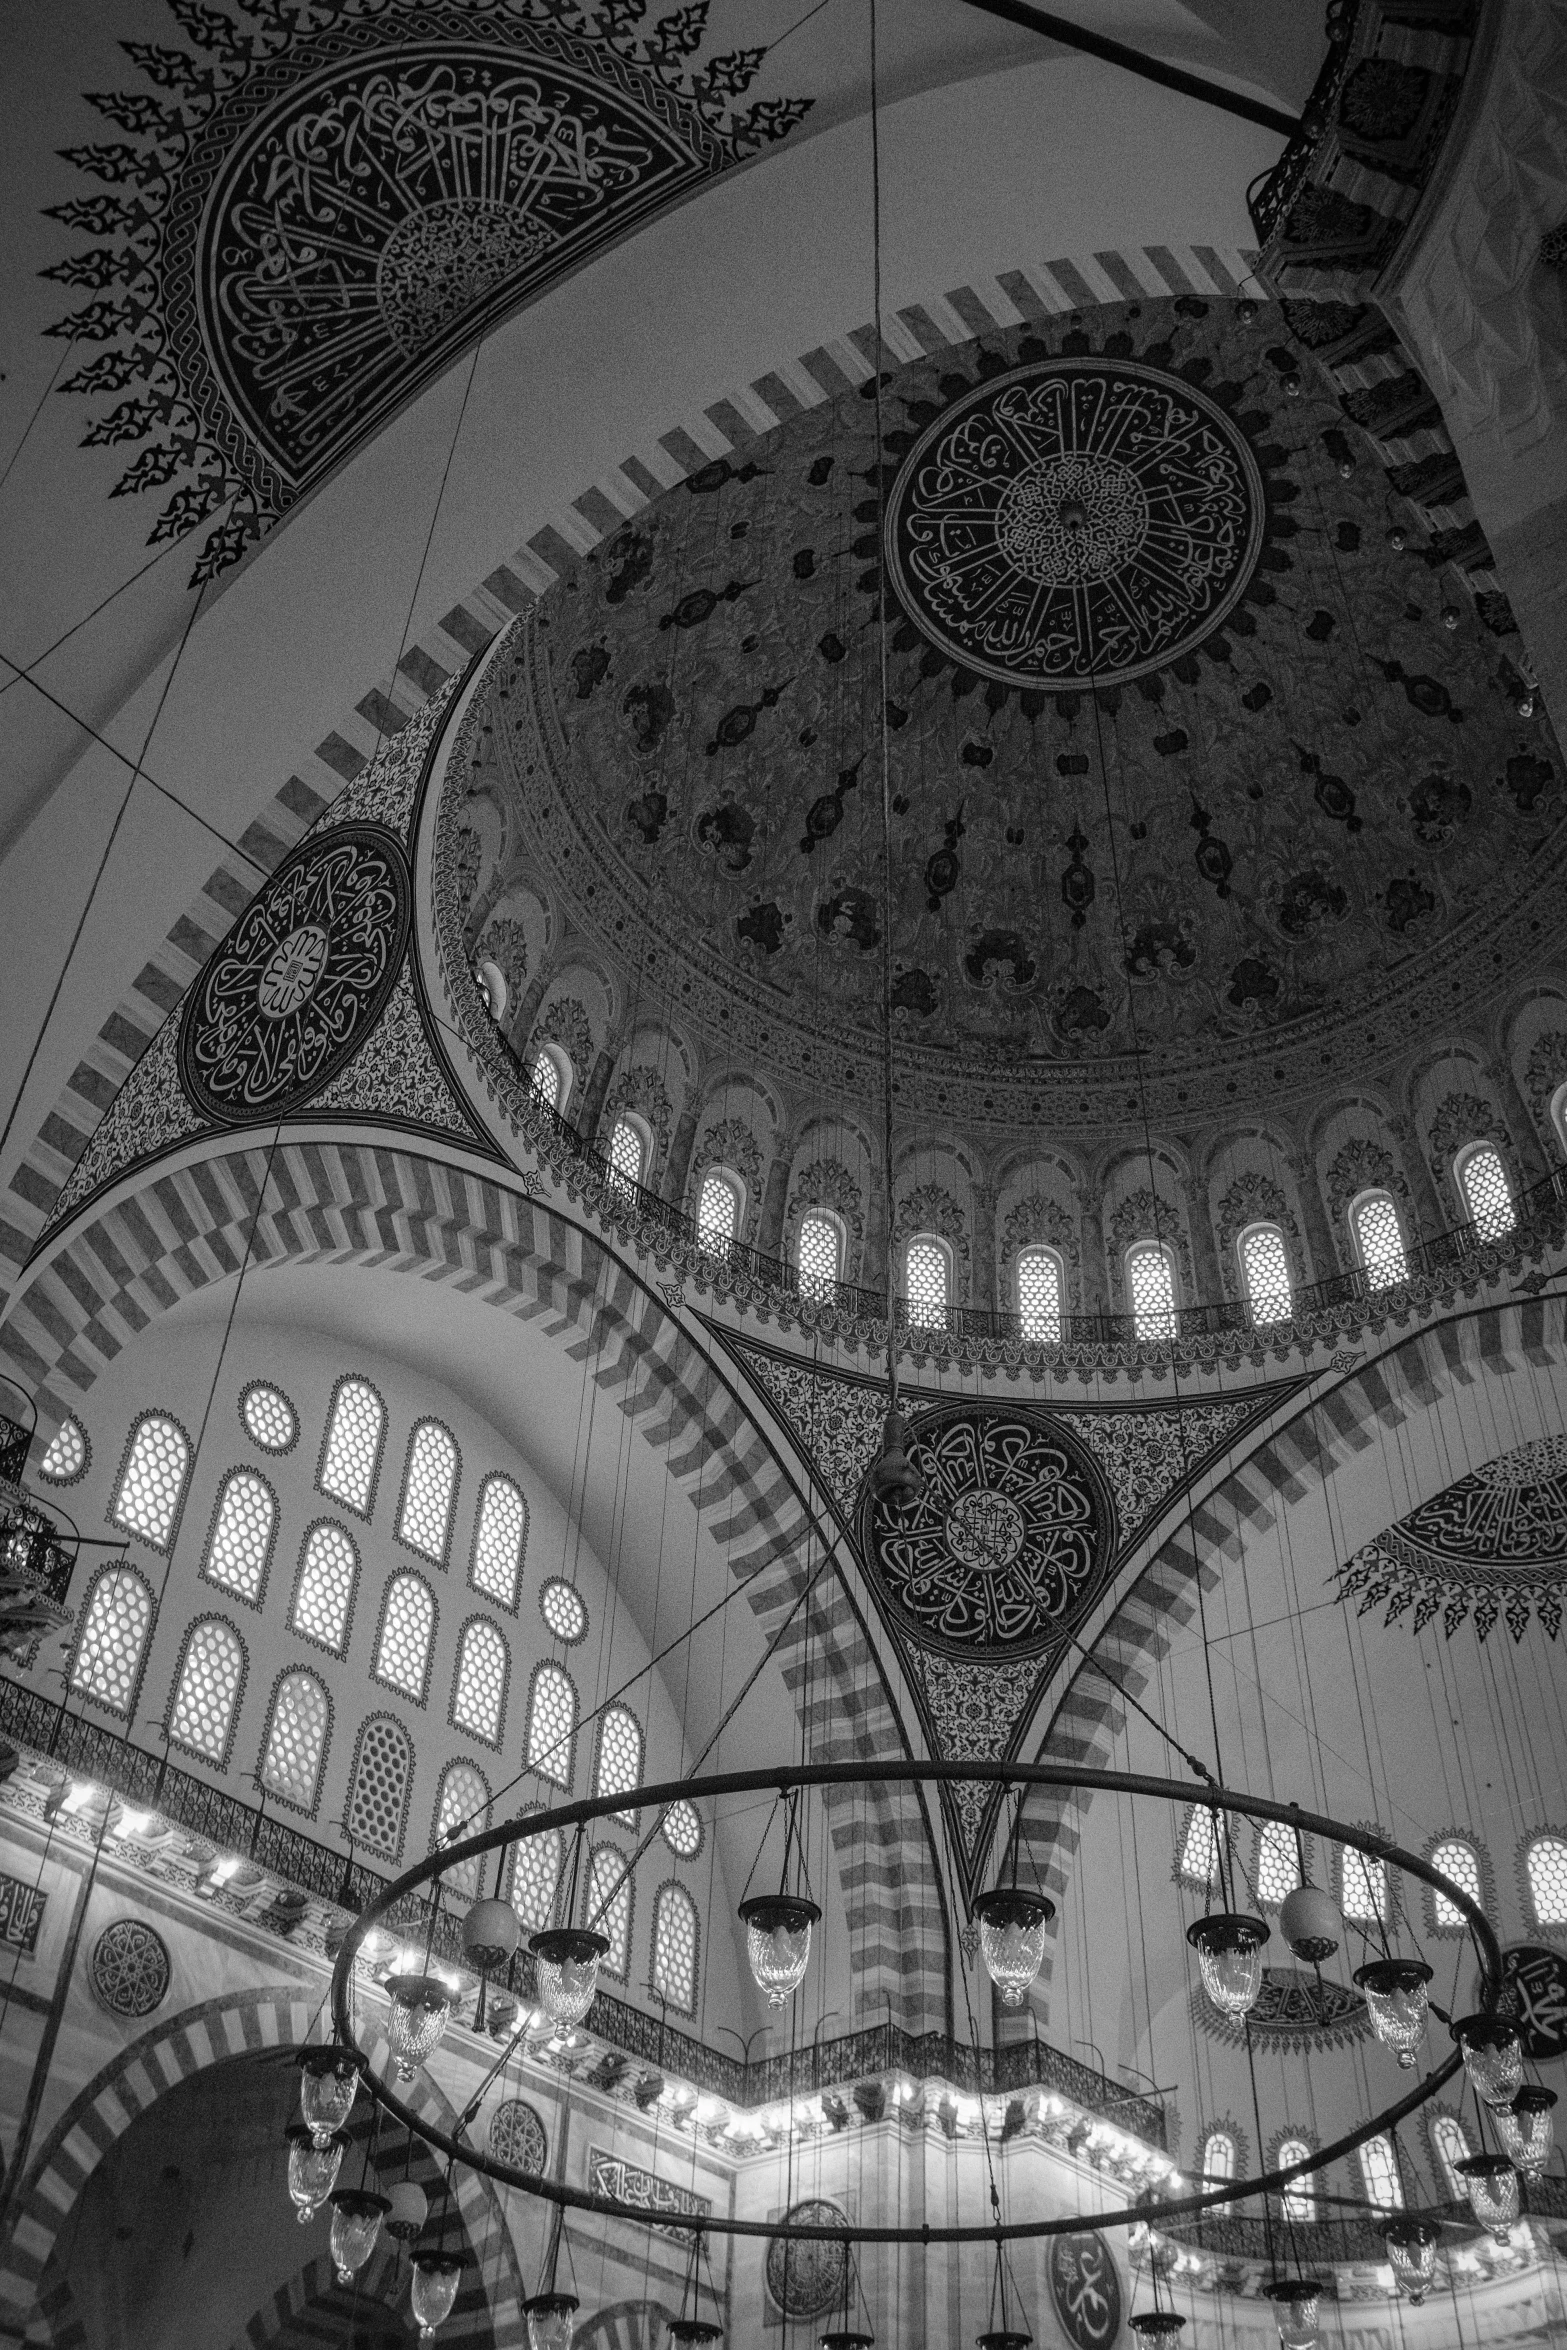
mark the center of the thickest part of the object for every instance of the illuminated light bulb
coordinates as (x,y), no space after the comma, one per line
(1229,1952)
(568,1969)
(1395,1990)
(312,2170)
(1012,1928)
(1493,2056)
(490,1934)
(357,2214)
(421,2007)
(549,2317)
(328,2084)
(410,2209)
(1450,616)
(778,1942)
(434,2289)
(1527,2129)
(1411,2251)
(1295,2302)
(1310,1923)
(1492,2185)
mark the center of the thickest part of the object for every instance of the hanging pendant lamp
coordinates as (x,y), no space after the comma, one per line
(420,2010)
(312,2169)
(1395,1990)
(568,1970)
(1527,2128)
(1229,1949)
(328,2084)
(695,2330)
(1156,2325)
(778,1942)
(1012,1927)
(410,2209)
(1492,2185)
(549,2317)
(1296,2302)
(1411,2251)
(490,1935)
(1493,2056)
(434,2289)
(357,2213)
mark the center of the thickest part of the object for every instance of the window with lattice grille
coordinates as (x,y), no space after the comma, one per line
(717,1212)
(1379,2175)
(1151,1280)
(608,1907)
(479,1692)
(682,1827)
(463,1806)
(1265,1271)
(1379,1240)
(674,1948)
(552,1724)
(1299,2198)
(426,1516)
(402,1657)
(819,1255)
(1545,1864)
(114,1633)
(564,1611)
(1218,2155)
(925,1283)
(1461,1863)
(1200,1849)
(1487,1193)
(296,1741)
(546,1079)
(1452,2146)
(325,1592)
(65,1457)
(205,1696)
(269,1418)
(535,1875)
(1278,1863)
(619,1769)
(377,1807)
(353,1445)
(1039,1296)
(498,1543)
(1364,1887)
(152,1481)
(241,1540)
(626,1153)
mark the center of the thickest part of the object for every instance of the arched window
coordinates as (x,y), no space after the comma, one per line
(1379,1239)
(1487,1193)
(1200,1848)
(628,1153)
(1150,1282)
(240,1543)
(717,1212)
(819,1253)
(1451,2146)
(67,1454)
(927,1281)
(674,1948)
(535,1879)
(1278,1863)
(1363,1896)
(551,1077)
(207,1691)
(152,1481)
(479,1690)
(1461,1862)
(429,1487)
(1379,2175)
(1299,2198)
(383,1775)
(114,1634)
(1217,2159)
(564,1611)
(607,1908)
(1265,1274)
(552,1724)
(1039,1292)
(1559,1115)
(1545,1865)
(462,1809)
(351,1455)
(324,1589)
(619,1768)
(402,1655)
(296,1740)
(682,1829)
(499,1540)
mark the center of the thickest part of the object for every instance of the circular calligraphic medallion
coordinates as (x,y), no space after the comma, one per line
(301,979)
(1086,2290)
(806,2277)
(1537,1981)
(1075,522)
(517,2137)
(129,1969)
(1008,1543)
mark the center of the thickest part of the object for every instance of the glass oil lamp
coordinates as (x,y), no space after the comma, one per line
(1492,2185)
(568,1970)
(421,2006)
(1395,1990)
(312,2170)
(778,1942)
(1527,2128)
(1411,2251)
(1012,1928)
(357,2213)
(434,2289)
(549,2317)
(328,2084)
(1229,1952)
(1493,2056)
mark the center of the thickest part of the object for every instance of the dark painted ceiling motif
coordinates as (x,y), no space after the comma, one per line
(1295,2009)
(1493,1545)
(1298,821)
(328,199)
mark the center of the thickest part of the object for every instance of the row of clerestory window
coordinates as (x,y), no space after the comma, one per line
(1379,2166)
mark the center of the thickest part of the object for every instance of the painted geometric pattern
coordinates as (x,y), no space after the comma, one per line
(130,1968)
(1492,1545)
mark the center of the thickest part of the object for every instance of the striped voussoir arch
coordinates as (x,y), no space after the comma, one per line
(400,1212)
(1307,1452)
(1038,290)
(314,2309)
(629,2325)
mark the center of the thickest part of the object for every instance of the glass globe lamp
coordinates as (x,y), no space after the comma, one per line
(328,2084)
(434,2289)
(490,1935)
(312,2170)
(778,1942)
(568,1970)
(1493,2056)
(549,2317)
(1229,1952)
(1295,2301)
(410,2209)
(1492,2185)
(357,2214)
(1527,2128)
(1411,2251)
(1310,1923)
(421,2007)
(1395,1990)
(1012,1928)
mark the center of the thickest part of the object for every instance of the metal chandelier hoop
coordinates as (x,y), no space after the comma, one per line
(787,1779)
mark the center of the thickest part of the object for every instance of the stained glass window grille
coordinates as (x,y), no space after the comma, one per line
(242,1534)
(1546,1866)
(674,1948)
(326,1587)
(464,1805)
(480,1690)
(535,1876)
(1218,2155)
(203,1711)
(269,1418)
(820,1249)
(375,1814)
(1152,1285)
(152,1481)
(353,1445)
(565,1611)
(1365,1887)
(1300,2196)
(625,1153)
(426,1518)
(717,1213)
(498,1544)
(1200,1848)
(407,1623)
(1380,1241)
(925,1281)
(1461,1862)
(1487,1193)
(1266,1272)
(1278,1863)
(552,1724)
(1039,1296)
(620,1757)
(296,1741)
(114,1632)
(608,1906)
(546,1080)
(1379,2175)
(1452,2147)
(66,1455)
(682,1826)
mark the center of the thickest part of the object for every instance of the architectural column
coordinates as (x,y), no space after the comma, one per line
(680,1149)
(1096,1284)
(520,1026)
(1432,1212)
(985,1293)
(769,1230)
(873,1257)
(1212,1288)
(593,1097)
(1319,1232)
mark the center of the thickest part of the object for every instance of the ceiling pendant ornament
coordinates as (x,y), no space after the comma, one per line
(1493,1545)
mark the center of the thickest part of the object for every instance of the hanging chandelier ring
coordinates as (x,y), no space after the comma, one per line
(1067,1777)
